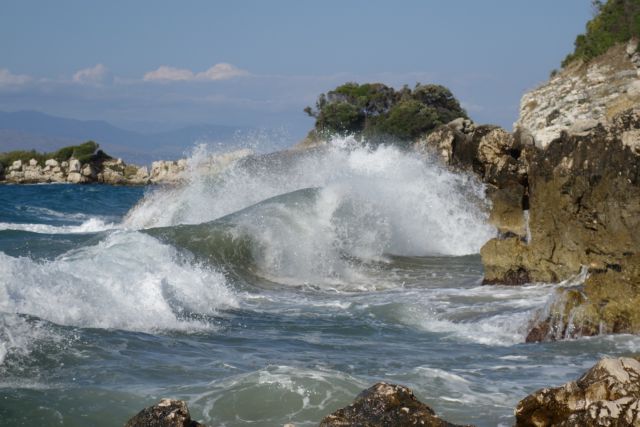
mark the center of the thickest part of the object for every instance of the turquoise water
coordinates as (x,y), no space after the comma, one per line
(271,292)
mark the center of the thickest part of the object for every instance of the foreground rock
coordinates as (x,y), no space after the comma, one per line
(606,395)
(166,413)
(385,405)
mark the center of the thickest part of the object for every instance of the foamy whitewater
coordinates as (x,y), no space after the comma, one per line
(268,289)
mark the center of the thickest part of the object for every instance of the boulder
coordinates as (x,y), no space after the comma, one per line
(166,171)
(166,413)
(608,394)
(33,162)
(75,177)
(16,165)
(52,163)
(74,165)
(88,171)
(385,405)
(111,176)
(33,173)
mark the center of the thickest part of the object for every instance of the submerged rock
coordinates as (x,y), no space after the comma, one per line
(606,395)
(385,405)
(166,413)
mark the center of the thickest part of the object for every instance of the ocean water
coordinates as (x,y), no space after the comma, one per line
(269,292)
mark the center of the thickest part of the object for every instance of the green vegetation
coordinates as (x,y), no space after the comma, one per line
(615,21)
(86,152)
(380,113)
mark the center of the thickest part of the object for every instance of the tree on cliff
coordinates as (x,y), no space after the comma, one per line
(615,21)
(379,112)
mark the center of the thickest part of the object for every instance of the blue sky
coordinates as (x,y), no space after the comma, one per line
(149,65)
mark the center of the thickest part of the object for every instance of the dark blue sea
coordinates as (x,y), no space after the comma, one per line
(265,291)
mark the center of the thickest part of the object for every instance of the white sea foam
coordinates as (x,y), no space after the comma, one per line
(370,202)
(127,281)
(92,225)
(300,395)
(477,314)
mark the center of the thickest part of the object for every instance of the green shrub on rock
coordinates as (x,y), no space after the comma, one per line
(616,21)
(379,112)
(85,153)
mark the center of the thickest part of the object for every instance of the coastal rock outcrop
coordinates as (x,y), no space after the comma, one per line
(115,171)
(385,405)
(579,97)
(567,202)
(497,157)
(166,413)
(608,394)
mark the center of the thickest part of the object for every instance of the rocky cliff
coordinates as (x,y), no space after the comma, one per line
(580,96)
(565,188)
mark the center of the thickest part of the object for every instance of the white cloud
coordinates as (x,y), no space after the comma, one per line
(221,71)
(9,79)
(91,75)
(165,73)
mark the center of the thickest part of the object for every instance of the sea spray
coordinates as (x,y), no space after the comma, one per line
(365,203)
(127,281)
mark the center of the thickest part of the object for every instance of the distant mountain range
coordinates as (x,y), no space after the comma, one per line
(26,130)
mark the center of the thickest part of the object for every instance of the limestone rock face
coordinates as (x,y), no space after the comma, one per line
(385,405)
(74,165)
(166,413)
(497,157)
(167,171)
(582,95)
(606,395)
(489,151)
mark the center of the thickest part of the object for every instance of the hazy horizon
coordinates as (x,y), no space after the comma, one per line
(157,66)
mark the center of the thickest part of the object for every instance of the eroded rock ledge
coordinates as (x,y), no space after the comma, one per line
(608,394)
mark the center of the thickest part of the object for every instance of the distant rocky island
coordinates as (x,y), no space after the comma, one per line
(80,164)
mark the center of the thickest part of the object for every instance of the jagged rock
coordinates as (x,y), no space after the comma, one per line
(75,177)
(33,173)
(385,405)
(606,303)
(582,95)
(606,395)
(52,163)
(16,165)
(166,171)
(462,125)
(166,413)
(88,171)
(489,151)
(584,199)
(74,165)
(507,213)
